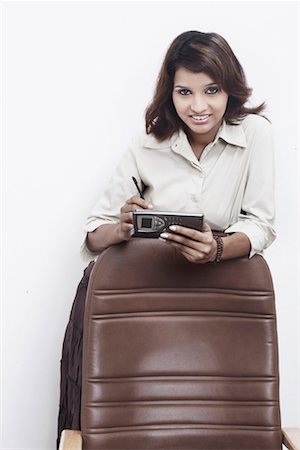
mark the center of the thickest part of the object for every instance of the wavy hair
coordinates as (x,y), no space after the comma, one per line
(198,52)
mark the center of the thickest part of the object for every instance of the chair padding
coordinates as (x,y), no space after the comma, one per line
(179,355)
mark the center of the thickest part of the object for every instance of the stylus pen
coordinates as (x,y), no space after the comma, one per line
(137,186)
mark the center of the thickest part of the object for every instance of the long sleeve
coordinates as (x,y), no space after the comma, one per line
(107,210)
(258,209)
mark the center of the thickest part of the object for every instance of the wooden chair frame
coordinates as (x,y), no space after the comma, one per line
(72,440)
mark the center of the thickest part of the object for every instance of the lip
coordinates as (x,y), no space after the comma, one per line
(199,119)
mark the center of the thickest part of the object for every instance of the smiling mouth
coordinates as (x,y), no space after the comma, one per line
(200,118)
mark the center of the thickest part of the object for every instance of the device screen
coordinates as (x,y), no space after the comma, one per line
(146,222)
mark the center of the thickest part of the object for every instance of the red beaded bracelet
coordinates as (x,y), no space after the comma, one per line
(220,245)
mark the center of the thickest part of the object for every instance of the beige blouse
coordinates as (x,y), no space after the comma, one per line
(232,184)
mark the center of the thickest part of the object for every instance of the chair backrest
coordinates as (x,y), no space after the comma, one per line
(179,355)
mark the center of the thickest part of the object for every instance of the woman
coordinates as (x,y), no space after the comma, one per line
(203,150)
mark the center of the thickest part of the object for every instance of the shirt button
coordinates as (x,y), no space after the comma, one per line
(197,167)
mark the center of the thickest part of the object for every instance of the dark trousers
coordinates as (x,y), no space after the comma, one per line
(71,362)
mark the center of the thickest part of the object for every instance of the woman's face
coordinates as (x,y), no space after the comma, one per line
(199,102)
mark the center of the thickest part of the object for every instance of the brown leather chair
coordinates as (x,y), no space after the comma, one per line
(179,356)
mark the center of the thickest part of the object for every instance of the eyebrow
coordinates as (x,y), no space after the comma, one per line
(185,87)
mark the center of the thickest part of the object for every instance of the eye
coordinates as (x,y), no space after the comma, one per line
(184,91)
(212,90)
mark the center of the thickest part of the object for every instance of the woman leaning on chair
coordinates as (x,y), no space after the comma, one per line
(202,150)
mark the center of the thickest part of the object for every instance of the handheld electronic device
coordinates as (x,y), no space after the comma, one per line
(152,223)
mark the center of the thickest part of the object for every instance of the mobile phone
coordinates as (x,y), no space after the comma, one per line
(152,223)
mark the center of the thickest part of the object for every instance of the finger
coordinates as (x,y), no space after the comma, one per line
(190,253)
(196,235)
(191,259)
(126,231)
(139,202)
(200,247)
(181,239)
(126,217)
(130,207)
(126,226)
(201,236)
(206,228)
(187,250)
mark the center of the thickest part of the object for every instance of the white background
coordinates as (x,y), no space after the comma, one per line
(76,78)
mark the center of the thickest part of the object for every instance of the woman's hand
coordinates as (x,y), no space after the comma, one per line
(197,246)
(113,233)
(125,226)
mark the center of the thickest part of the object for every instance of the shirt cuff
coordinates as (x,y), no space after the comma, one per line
(86,254)
(260,237)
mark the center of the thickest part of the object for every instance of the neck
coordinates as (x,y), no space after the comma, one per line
(199,141)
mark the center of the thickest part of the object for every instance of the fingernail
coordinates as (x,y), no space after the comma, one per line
(164,235)
(162,240)
(172,227)
(150,206)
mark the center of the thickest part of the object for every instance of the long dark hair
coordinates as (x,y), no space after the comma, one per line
(198,52)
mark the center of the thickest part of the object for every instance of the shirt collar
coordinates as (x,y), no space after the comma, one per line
(232,134)
(152,142)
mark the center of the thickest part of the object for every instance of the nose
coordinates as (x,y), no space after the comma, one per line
(198,103)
